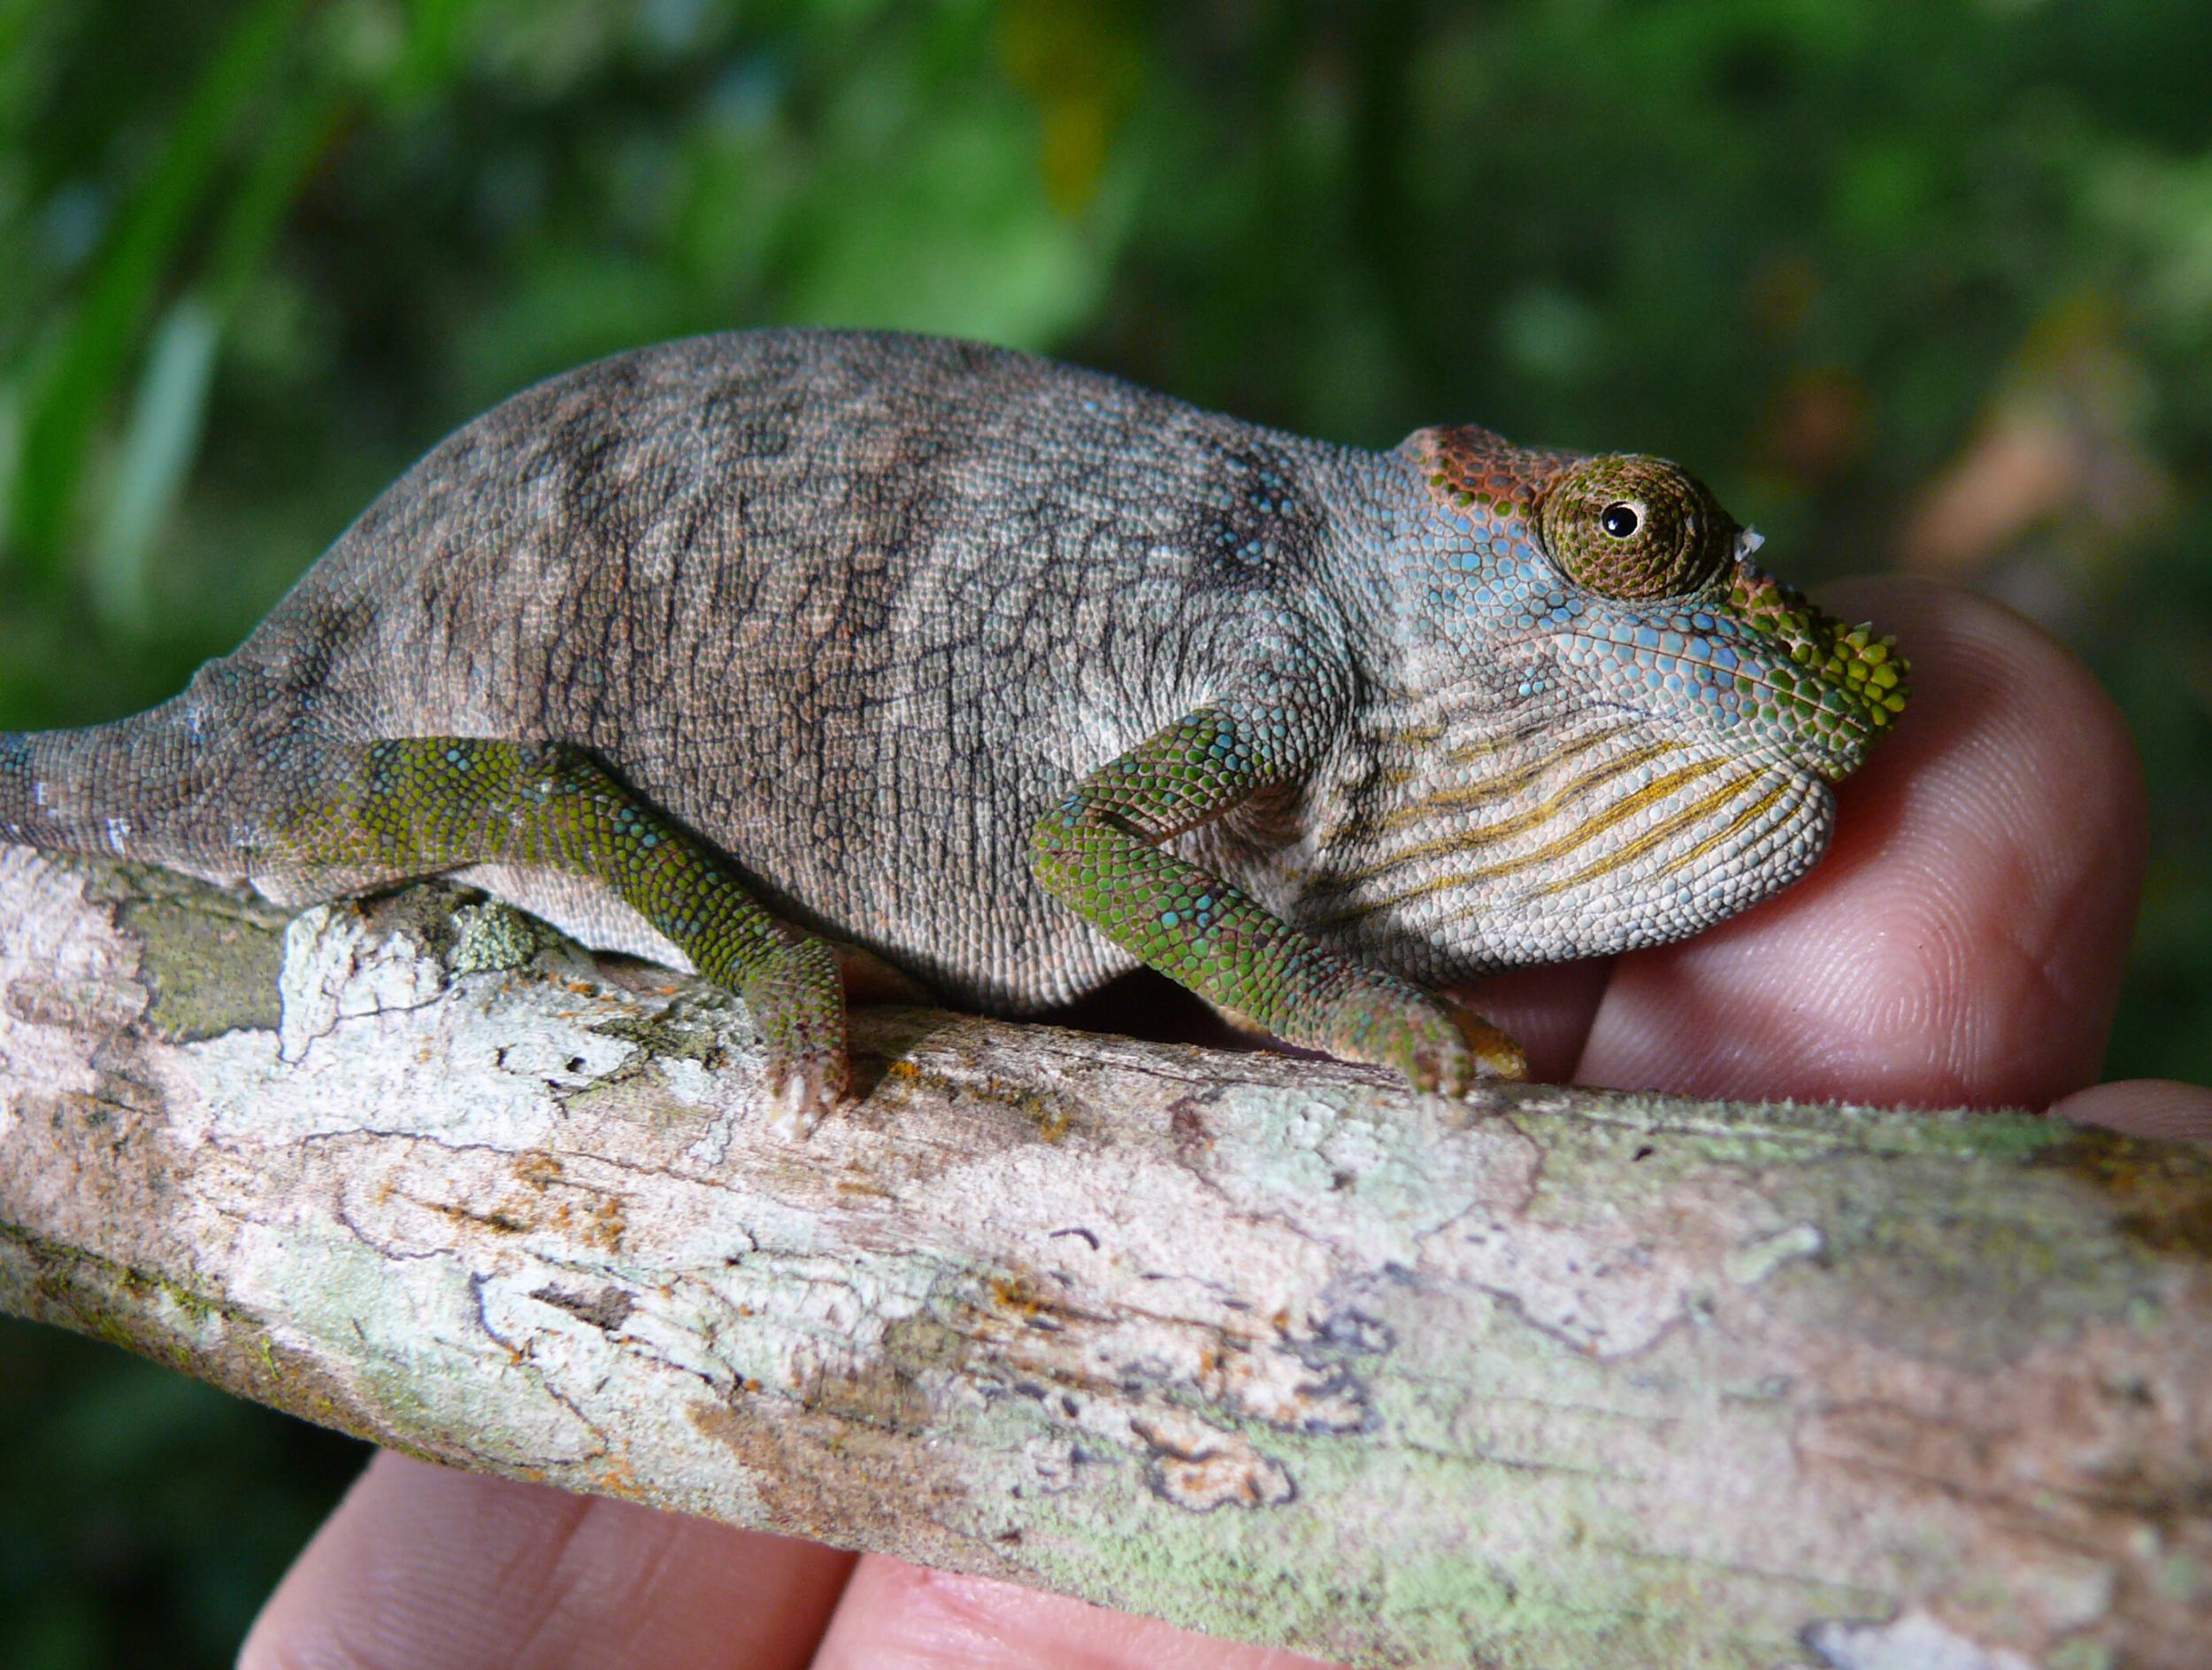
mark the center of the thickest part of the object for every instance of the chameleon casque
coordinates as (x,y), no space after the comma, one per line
(1016,675)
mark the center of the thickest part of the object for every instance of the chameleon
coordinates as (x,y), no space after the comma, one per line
(733,650)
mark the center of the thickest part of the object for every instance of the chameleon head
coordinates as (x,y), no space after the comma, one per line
(1619,579)
(1606,725)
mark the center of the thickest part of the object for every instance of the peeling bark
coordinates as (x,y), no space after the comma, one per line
(1265,1346)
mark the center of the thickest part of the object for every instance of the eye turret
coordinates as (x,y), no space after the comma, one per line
(1634,528)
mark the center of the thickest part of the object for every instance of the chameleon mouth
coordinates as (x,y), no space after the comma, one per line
(1840,688)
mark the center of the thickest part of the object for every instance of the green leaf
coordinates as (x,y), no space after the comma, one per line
(65,403)
(157,449)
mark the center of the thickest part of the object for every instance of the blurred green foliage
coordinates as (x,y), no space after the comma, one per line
(1926,286)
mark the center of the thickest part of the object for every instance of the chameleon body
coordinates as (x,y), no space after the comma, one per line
(1016,675)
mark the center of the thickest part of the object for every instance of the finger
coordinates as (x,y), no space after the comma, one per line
(2143,1107)
(427,1568)
(899,1617)
(1962,941)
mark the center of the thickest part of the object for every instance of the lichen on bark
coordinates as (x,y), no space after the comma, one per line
(1267,1346)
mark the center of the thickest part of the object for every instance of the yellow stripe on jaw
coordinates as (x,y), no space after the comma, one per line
(1412,736)
(1429,735)
(1542,813)
(1659,834)
(1581,834)
(1735,827)
(1426,737)
(1490,789)
(1488,747)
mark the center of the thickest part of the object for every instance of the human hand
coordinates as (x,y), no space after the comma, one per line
(1962,944)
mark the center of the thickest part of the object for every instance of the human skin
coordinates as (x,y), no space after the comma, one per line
(1961,944)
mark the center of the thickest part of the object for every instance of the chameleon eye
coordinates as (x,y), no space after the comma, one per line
(1634,528)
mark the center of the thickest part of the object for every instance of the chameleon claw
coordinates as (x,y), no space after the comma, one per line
(1497,1055)
(798,996)
(801,1090)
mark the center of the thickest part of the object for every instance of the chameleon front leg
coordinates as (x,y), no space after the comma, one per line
(417,805)
(1101,852)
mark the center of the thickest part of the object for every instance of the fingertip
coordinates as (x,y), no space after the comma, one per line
(1997,852)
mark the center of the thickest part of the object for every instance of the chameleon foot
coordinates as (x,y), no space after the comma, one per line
(1496,1054)
(1387,1023)
(798,999)
(802,1090)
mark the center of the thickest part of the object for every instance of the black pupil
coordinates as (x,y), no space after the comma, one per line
(1619,520)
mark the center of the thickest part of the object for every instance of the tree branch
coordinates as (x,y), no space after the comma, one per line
(1262,1345)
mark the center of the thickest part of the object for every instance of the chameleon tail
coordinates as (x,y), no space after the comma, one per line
(115,789)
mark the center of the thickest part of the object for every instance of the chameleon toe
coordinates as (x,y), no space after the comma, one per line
(801,1091)
(1496,1054)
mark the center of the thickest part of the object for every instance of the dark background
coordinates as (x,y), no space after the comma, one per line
(1921,286)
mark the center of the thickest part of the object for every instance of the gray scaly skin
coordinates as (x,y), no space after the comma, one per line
(1015,675)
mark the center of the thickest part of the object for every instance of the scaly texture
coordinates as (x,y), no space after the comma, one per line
(1013,675)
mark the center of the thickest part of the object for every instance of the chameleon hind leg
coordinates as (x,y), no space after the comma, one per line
(420,805)
(1101,852)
